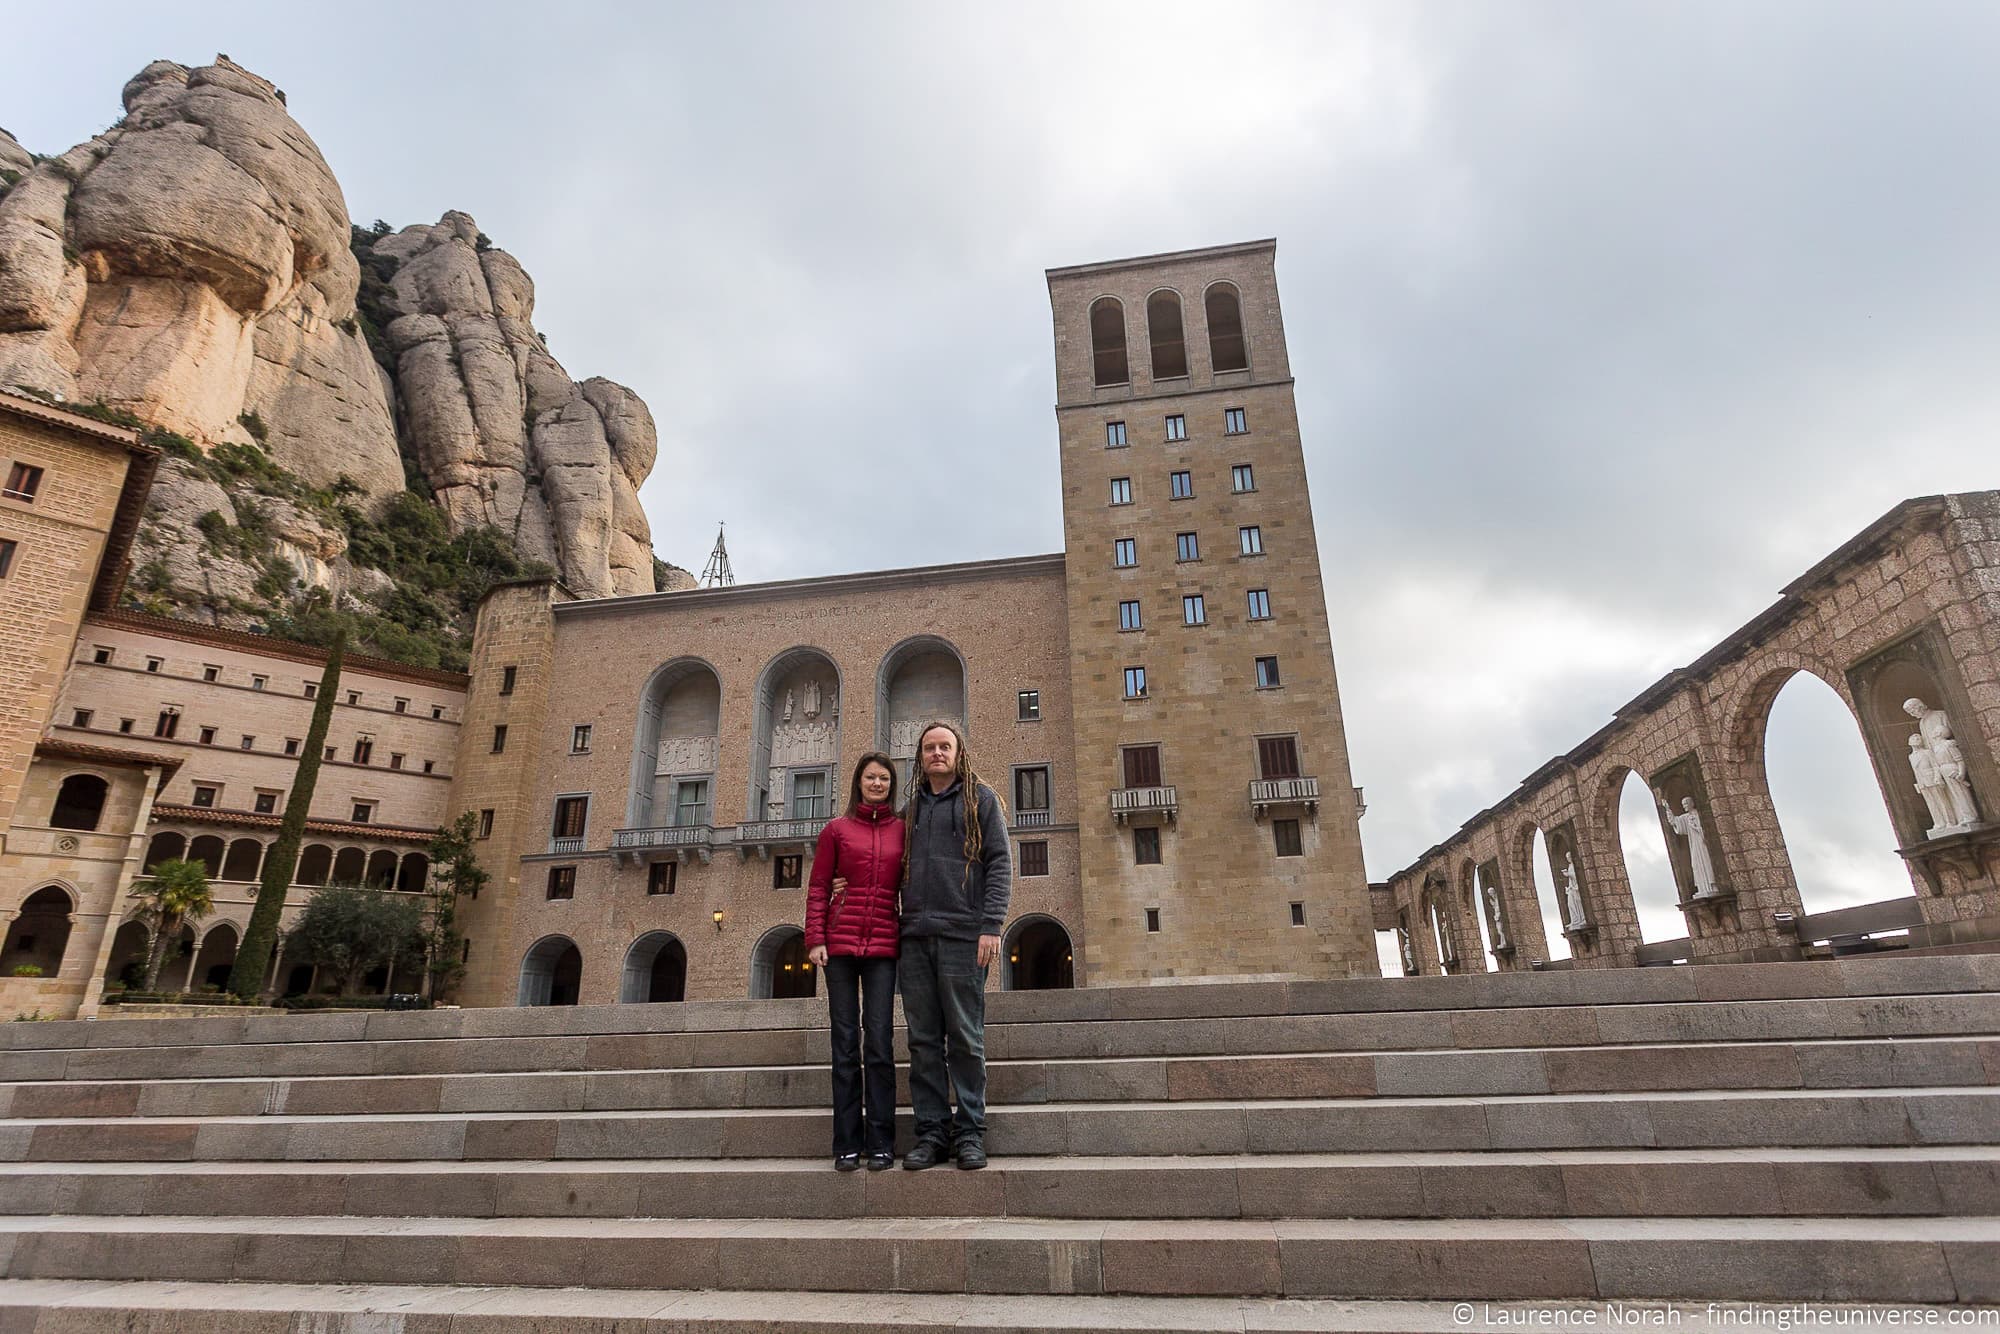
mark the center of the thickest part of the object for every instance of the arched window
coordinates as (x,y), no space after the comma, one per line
(1226,348)
(315,864)
(245,856)
(79,802)
(1107,341)
(675,751)
(382,869)
(920,681)
(165,847)
(350,866)
(208,851)
(39,933)
(1163,326)
(415,871)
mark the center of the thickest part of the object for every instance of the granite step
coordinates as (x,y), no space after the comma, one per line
(1879,1062)
(1950,1259)
(1725,1119)
(1942,1180)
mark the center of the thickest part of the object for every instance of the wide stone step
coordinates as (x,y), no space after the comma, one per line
(1554,1184)
(1877,1062)
(1431,1030)
(1835,1259)
(1747,1119)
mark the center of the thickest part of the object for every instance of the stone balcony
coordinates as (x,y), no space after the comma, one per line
(1128,802)
(1041,819)
(686,842)
(1268,794)
(764,837)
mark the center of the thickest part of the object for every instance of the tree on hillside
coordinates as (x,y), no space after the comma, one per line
(253,957)
(175,893)
(350,931)
(455,872)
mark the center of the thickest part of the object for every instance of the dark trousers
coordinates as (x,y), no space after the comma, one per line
(944,1009)
(859,996)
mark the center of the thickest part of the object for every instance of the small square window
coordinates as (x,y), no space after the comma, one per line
(248,743)
(1177,427)
(329,753)
(23,481)
(1193,610)
(312,690)
(1187,546)
(1298,914)
(1121,490)
(210,673)
(1125,553)
(1180,485)
(507,675)
(1128,615)
(660,877)
(1260,604)
(402,705)
(354,697)
(395,759)
(1152,919)
(1285,835)
(1028,705)
(364,811)
(429,765)
(364,750)
(207,736)
(499,738)
(154,664)
(1234,422)
(486,823)
(1114,435)
(204,795)
(291,745)
(562,882)
(1035,858)
(1135,683)
(437,712)
(787,871)
(7,548)
(1267,674)
(1251,540)
(125,724)
(267,803)
(1146,845)
(81,718)
(259,682)
(579,739)
(1242,478)
(101,656)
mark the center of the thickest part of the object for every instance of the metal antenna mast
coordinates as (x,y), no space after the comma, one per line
(717,574)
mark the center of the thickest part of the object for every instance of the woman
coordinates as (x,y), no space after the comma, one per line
(851,931)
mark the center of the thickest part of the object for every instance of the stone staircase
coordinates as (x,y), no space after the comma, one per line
(1336,1155)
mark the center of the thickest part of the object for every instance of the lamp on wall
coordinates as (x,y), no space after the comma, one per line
(718,919)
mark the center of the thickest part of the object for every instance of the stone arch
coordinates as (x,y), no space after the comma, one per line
(207,850)
(38,937)
(315,864)
(80,802)
(1472,915)
(680,709)
(783,753)
(130,945)
(1747,713)
(1228,350)
(212,961)
(1528,866)
(350,866)
(779,969)
(382,869)
(246,856)
(920,680)
(655,969)
(1037,955)
(166,846)
(1623,807)
(551,973)
(413,873)
(1166,333)
(1108,362)
(1440,927)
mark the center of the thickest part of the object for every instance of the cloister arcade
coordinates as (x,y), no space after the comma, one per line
(1663,839)
(239,859)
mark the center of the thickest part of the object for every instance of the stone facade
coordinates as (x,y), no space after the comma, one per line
(1908,608)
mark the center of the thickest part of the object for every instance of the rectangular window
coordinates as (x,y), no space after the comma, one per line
(1298,914)
(364,750)
(1242,478)
(571,813)
(1177,427)
(1128,615)
(1028,705)
(364,811)
(204,795)
(1193,610)
(1146,848)
(81,718)
(437,712)
(1035,858)
(660,877)
(1152,919)
(1142,766)
(562,882)
(1285,835)
(1031,788)
(499,738)
(810,799)
(7,548)
(579,739)
(206,736)
(1114,435)
(101,656)
(1180,485)
(1187,546)
(1135,683)
(1267,674)
(259,682)
(1277,757)
(328,753)
(168,724)
(691,803)
(1125,552)
(1251,539)
(486,823)
(154,664)
(402,705)
(1121,490)
(248,743)
(395,759)
(1260,604)
(354,697)
(267,803)
(312,690)
(429,765)
(23,481)
(507,680)
(125,724)
(210,673)
(1234,422)
(787,871)
(291,745)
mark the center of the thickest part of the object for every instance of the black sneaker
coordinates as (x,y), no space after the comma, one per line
(846,1162)
(881,1162)
(923,1154)
(971,1155)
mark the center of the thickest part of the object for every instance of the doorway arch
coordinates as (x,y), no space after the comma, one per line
(551,972)
(1037,956)
(779,969)
(655,970)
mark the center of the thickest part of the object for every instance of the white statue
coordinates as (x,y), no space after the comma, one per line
(812,699)
(1409,951)
(1688,825)
(1949,762)
(1924,765)
(1572,895)
(788,706)
(1499,927)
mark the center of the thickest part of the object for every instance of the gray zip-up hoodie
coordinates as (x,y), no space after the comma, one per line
(944,894)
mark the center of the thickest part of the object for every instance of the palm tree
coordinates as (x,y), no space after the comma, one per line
(176,892)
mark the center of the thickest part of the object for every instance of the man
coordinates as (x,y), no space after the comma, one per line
(958,873)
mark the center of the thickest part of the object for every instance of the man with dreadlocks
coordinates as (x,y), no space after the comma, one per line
(956,879)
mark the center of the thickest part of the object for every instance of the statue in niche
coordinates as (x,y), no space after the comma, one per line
(1572,895)
(1688,825)
(811,700)
(1499,927)
(1929,785)
(788,706)
(1409,950)
(1948,764)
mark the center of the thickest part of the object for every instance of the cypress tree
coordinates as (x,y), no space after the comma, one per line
(253,956)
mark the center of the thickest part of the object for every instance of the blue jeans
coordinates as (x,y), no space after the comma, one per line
(859,997)
(944,1008)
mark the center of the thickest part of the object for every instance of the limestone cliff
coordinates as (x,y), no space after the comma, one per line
(195,266)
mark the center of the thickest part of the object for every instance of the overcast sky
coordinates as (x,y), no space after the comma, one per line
(1608,319)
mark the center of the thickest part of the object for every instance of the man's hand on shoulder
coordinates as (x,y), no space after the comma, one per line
(989,950)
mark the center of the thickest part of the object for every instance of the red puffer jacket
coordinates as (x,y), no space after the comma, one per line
(865,847)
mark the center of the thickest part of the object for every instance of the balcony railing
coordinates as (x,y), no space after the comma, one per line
(560,846)
(764,835)
(685,840)
(1127,802)
(1032,819)
(1266,793)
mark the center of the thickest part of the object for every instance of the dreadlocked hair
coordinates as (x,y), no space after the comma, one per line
(968,795)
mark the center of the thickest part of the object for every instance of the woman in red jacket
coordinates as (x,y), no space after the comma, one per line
(851,936)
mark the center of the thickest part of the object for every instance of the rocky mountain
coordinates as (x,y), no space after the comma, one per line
(195,267)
